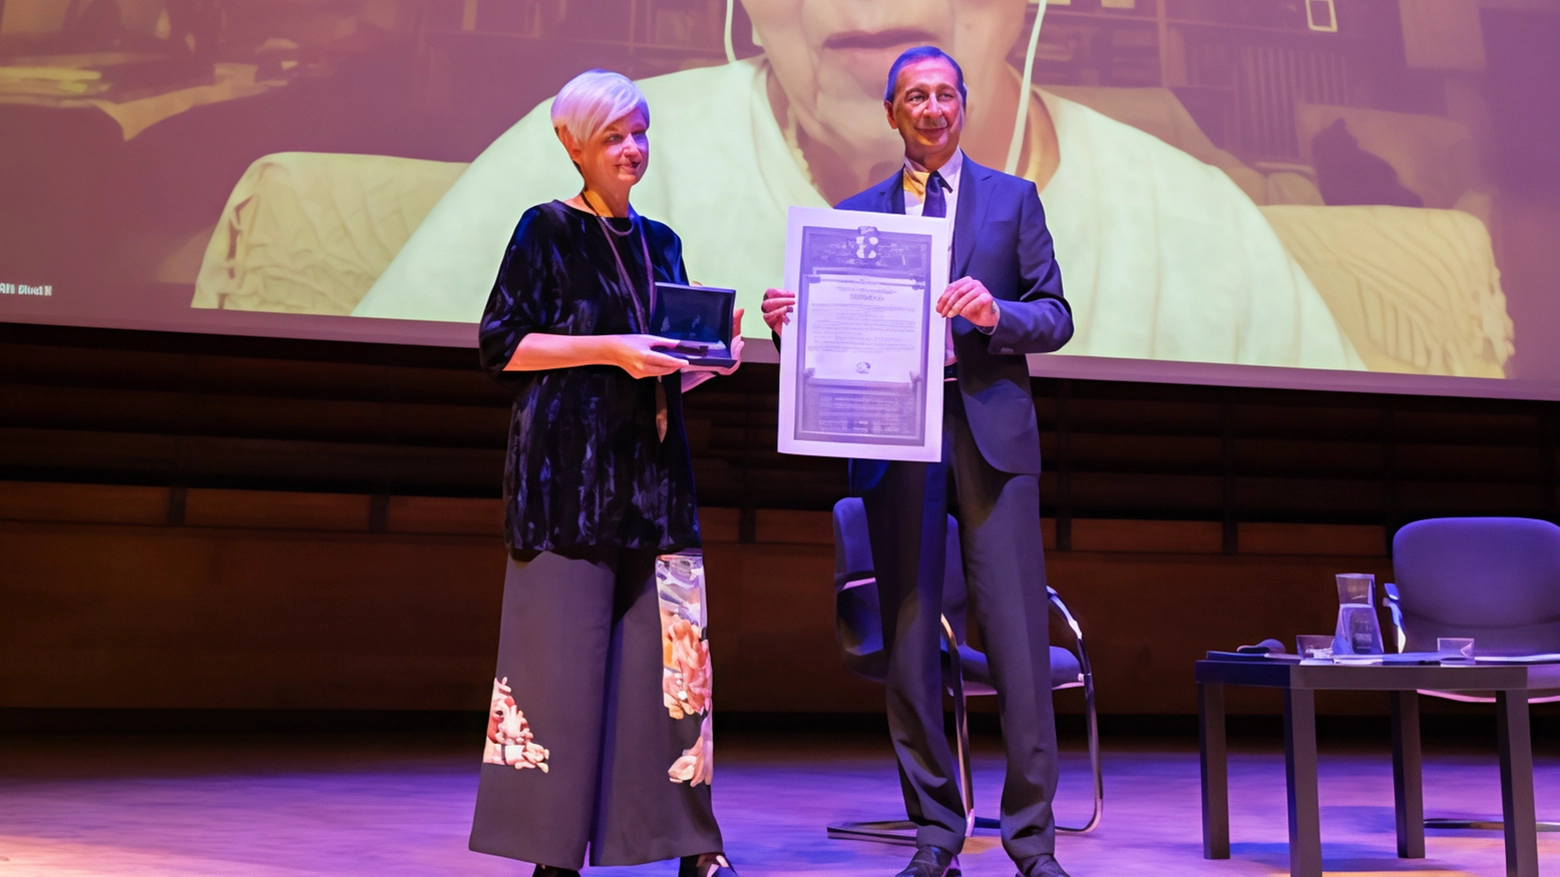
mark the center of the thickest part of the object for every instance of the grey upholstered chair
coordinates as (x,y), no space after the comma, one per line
(859,629)
(1494,579)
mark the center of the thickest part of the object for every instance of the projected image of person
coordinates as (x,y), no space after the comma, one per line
(599,735)
(1167,257)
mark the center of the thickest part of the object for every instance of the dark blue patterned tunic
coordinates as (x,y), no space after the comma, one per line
(585,466)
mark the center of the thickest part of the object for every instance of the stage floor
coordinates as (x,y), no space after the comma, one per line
(400,804)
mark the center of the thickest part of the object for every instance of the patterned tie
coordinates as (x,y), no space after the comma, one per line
(935,204)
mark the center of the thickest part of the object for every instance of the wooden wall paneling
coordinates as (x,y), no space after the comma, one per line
(443,514)
(280,510)
(795,527)
(1143,495)
(92,408)
(87,366)
(83,503)
(1301,418)
(719,524)
(1473,461)
(271,417)
(1152,537)
(290,378)
(445,425)
(212,618)
(1229,497)
(380,469)
(1332,540)
(1147,453)
(467,386)
(307,619)
(1548,450)
(1320,499)
(1149,416)
(1061,396)
(338,463)
(27,452)
(1483,422)
(1425,499)
(1302,458)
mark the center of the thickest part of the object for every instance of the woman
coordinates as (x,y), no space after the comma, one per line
(599,731)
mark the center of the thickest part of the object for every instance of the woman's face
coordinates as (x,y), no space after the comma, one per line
(831,57)
(616,157)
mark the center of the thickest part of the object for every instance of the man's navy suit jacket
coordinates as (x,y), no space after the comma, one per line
(999,238)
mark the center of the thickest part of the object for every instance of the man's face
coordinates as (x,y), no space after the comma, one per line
(927,109)
(831,57)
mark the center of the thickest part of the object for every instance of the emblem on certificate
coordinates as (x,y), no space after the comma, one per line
(861,366)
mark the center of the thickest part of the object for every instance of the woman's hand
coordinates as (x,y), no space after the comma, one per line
(736,343)
(777,307)
(636,355)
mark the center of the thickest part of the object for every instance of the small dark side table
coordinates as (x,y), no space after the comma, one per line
(1299,684)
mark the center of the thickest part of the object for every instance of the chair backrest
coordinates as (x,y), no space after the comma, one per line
(1494,579)
(858,624)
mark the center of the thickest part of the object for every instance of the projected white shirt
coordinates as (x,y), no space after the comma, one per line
(1162,256)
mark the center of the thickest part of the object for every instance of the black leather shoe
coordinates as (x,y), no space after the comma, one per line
(707,865)
(931,861)
(1043,865)
(550,871)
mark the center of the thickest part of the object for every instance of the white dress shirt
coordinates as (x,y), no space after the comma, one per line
(915,185)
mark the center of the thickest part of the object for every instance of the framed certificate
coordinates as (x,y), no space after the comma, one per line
(861,365)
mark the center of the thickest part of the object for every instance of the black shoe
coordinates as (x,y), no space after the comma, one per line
(1043,865)
(707,865)
(930,861)
(550,871)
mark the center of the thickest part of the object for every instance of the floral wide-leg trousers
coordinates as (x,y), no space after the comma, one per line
(599,728)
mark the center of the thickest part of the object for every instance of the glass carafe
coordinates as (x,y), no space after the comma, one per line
(1358,631)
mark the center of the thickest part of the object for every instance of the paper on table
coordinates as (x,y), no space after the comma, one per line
(861,365)
(1547,658)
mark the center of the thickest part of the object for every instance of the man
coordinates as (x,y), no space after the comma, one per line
(1166,257)
(1005,302)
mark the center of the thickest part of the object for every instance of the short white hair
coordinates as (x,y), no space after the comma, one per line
(593,100)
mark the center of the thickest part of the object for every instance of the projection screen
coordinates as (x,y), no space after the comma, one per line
(1345,194)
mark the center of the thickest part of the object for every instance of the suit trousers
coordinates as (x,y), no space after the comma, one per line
(580,739)
(999,525)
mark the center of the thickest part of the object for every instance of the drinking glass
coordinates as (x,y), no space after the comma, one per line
(1455,649)
(1314,646)
(1358,631)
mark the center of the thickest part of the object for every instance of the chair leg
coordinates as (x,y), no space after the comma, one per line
(1091,717)
(961,727)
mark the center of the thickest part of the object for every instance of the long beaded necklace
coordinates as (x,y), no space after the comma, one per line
(628,286)
(611,233)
